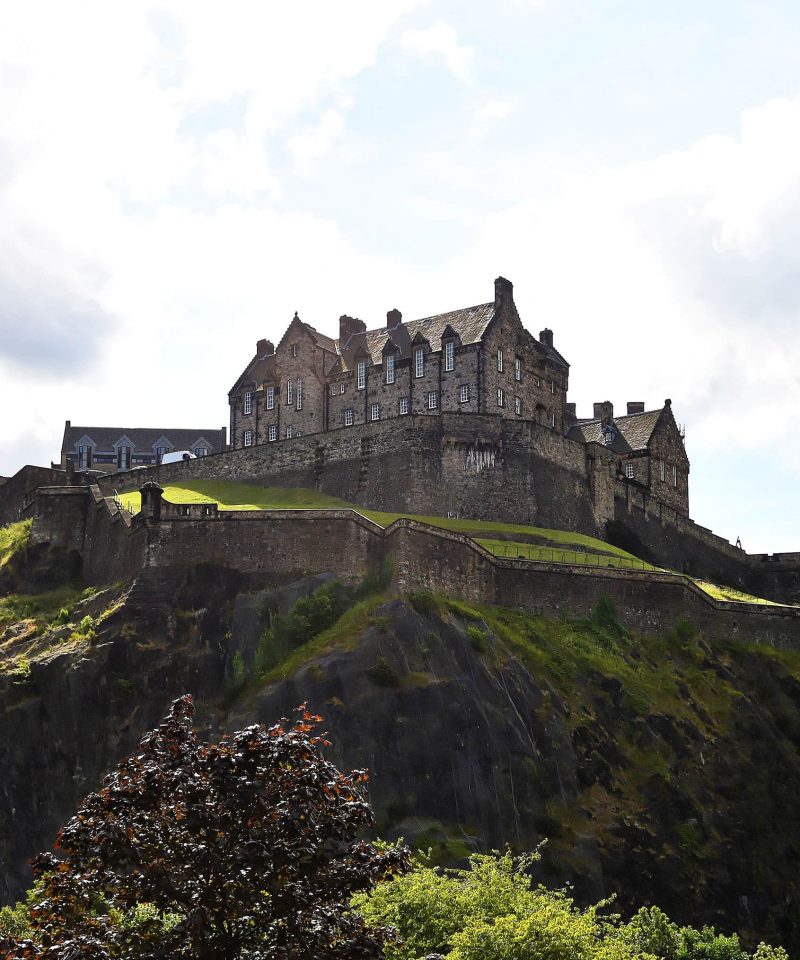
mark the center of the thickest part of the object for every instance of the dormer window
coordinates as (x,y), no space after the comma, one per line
(84,456)
(419,362)
(449,355)
(390,368)
(362,374)
(248,403)
(608,436)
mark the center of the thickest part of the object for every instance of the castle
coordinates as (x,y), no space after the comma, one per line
(478,360)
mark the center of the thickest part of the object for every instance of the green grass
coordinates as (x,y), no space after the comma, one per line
(41,607)
(526,551)
(13,538)
(738,596)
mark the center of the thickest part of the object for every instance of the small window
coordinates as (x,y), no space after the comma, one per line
(662,468)
(449,355)
(403,406)
(501,397)
(123,458)
(463,395)
(553,420)
(248,438)
(273,432)
(552,386)
(201,451)
(348,418)
(375,411)
(674,476)
(341,389)
(499,361)
(294,349)
(160,451)
(419,362)
(333,389)
(390,368)
(517,368)
(629,471)
(289,393)
(537,382)
(362,374)
(518,406)
(270,398)
(248,403)
(299,394)
(433,400)
(85,456)
(289,433)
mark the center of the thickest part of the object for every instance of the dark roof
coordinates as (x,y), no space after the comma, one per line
(144,438)
(552,353)
(636,429)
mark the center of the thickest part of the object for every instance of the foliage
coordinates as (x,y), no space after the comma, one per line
(245,848)
(478,639)
(13,538)
(383,673)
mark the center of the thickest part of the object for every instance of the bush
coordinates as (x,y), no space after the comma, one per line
(383,673)
(478,639)
(423,601)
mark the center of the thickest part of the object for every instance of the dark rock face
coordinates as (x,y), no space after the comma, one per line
(665,772)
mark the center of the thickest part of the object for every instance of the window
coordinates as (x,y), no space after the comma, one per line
(160,451)
(85,456)
(390,368)
(518,406)
(348,418)
(662,467)
(289,433)
(201,451)
(289,393)
(273,432)
(501,397)
(248,402)
(517,368)
(552,386)
(403,406)
(375,411)
(333,389)
(499,361)
(123,458)
(449,355)
(270,398)
(537,382)
(362,374)
(294,349)
(433,400)
(553,420)
(629,471)
(299,394)
(419,362)
(248,438)
(463,396)
(341,389)
(674,476)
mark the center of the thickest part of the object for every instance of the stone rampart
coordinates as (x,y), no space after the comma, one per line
(18,490)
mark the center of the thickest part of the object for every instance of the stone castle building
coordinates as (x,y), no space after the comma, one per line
(476,360)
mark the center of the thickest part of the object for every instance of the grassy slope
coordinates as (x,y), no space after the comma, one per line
(14,537)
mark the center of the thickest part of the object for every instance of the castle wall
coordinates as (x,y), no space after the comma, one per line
(17,491)
(114,547)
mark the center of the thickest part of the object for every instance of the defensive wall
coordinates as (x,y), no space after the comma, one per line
(272,548)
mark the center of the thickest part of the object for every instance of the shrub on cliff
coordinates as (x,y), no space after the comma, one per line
(244,848)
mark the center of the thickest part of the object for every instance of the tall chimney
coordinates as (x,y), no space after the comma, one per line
(546,337)
(264,348)
(393,319)
(503,290)
(348,326)
(635,407)
(604,411)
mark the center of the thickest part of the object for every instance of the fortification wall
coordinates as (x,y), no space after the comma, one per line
(115,547)
(16,492)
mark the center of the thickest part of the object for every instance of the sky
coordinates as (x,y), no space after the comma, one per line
(177,178)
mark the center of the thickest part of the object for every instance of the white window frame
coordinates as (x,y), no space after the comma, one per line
(433,400)
(333,389)
(553,419)
(518,369)
(630,471)
(299,394)
(501,397)
(518,406)
(270,398)
(289,393)
(248,402)
(289,432)
(419,362)
(662,471)
(390,358)
(361,374)
(499,360)
(375,411)
(348,418)
(552,386)
(273,432)
(403,406)
(294,349)
(463,394)
(449,356)
(341,389)
(248,438)
(674,476)
(201,451)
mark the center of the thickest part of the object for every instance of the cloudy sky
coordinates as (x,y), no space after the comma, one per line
(176,179)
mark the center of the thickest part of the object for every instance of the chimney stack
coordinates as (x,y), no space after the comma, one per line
(393,319)
(503,290)
(264,348)
(348,326)
(604,412)
(635,407)
(546,337)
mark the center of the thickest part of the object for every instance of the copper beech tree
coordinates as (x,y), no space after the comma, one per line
(244,848)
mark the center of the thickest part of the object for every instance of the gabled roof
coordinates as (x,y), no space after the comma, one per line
(144,439)
(635,429)
(552,354)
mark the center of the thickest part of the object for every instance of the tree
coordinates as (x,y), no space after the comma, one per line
(245,848)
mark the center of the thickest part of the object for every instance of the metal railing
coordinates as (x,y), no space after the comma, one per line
(517,551)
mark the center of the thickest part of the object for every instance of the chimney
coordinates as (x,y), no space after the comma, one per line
(571,410)
(503,290)
(635,407)
(604,411)
(546,337)
(348,326)
(264,348)
(393,319)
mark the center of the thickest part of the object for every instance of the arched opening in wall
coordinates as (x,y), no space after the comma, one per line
(540,414)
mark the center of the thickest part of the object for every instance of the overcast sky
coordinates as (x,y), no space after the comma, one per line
(176,179)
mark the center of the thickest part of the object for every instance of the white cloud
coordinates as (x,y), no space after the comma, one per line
(440,42)
(312,144)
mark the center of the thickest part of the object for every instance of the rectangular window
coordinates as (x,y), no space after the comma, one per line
(85,457)
(433,400)
(499,361)
(552,386)
(403,405)
(123,458)
(289,433)
(517,368)
(333,389)
(341,389)
(674,476)
(348,418)
(662,471)
(201,451)
(294,349)
(463,395)
(248,403)
(160,451)
(362,374)
(299,394)
(375,411)
(501,397)
(518,406)
(390,368)
(419,362)
(289,393)
(449,355)
(629,471)
(537,382)
(270,398)
(248,438)
(273,432)
(553,420)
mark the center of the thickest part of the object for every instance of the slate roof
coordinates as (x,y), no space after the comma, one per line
(143,438)
(635,428)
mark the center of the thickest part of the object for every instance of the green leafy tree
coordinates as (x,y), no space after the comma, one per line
(244,848)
